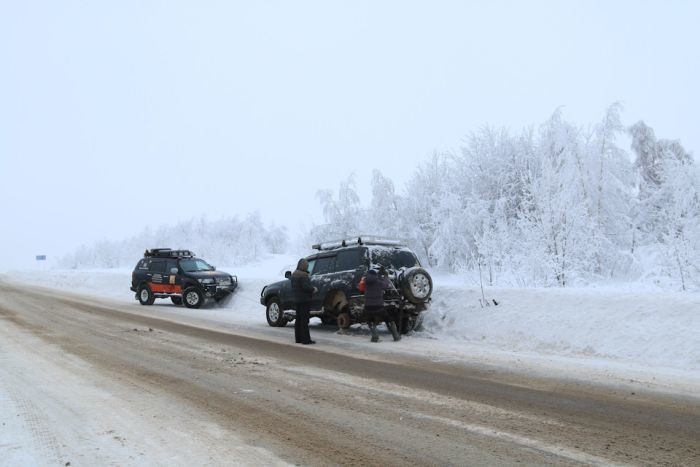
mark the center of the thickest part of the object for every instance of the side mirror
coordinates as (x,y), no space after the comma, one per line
(288,275)
(173,270)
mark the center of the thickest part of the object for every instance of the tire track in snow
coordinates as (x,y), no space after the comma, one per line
(17,401)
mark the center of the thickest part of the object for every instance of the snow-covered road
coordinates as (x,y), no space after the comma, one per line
(87,381)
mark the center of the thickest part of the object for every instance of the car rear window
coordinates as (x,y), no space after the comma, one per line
(394,259)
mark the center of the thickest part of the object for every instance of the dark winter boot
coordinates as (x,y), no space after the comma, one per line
(373,330)
(394,332)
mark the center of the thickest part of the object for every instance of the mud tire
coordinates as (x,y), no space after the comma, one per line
(274,313)
(145,295)
(193,297)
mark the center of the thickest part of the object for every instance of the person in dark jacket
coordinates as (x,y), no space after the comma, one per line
(375,285)
(303,291)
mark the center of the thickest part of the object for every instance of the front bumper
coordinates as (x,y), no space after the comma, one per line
(219,289)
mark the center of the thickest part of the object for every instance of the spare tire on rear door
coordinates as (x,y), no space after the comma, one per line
(417,285)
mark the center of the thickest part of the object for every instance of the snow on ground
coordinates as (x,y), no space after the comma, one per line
(609,334)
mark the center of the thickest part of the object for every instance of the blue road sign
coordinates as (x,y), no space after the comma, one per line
(41,257)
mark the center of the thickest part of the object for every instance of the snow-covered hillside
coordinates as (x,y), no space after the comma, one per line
(611,334)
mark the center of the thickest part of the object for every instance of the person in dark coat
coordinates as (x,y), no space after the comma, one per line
(303,291)
(375,285)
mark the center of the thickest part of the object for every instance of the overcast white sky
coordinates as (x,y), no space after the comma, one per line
(244,106)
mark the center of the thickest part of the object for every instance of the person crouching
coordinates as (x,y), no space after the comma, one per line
(375,285)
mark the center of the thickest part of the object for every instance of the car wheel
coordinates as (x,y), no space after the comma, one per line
(145,295)
(274,313)
(418,285)
(409,323)
(193,298)
(343,320)
(176,300)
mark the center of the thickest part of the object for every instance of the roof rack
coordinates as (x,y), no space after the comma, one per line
(359,240)
(168,253)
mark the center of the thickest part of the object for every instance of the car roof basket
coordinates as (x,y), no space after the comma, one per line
(359,240)
(168,253)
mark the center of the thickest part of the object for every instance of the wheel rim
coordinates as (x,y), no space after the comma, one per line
(192,298)
(420,286)
(273,312)
(144,295)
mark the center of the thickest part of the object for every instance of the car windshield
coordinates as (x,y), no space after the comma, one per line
(194,265)
(394,259)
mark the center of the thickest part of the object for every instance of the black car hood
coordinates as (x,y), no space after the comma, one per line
(281,283)
(209,274)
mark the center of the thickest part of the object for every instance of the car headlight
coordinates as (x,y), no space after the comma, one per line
(206,281)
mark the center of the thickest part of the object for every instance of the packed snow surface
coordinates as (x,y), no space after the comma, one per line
(619,334)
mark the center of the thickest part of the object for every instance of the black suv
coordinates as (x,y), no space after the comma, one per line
(180,276)
(336,271)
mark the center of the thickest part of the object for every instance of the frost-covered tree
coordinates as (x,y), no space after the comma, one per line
(342,212)
(611,181)
(384,217)
(420,218)
(227,241)
(555,206)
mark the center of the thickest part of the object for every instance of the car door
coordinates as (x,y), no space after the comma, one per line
(173,276)
(156,276)
(321,278)
(349,269)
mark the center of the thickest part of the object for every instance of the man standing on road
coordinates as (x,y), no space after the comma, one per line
(303,291)
(375,285)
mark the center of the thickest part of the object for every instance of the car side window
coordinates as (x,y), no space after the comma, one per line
(170,265)
(347,260)
(157,266)
(311,262)
(324,265)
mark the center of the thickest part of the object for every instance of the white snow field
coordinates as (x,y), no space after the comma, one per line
(613,335)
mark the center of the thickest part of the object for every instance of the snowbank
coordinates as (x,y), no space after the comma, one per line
(656,328)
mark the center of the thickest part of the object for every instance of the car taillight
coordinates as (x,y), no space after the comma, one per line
(361,285)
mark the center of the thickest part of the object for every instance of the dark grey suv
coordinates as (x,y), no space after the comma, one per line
(336,271)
